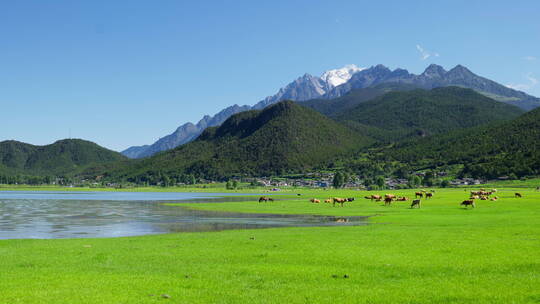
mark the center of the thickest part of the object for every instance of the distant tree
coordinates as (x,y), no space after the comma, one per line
(445,183)
(338,180)
(346,177)
(428,179)
(165,180)
(368,182)
(229,185)
(235,184)
(402,173)
(380,181)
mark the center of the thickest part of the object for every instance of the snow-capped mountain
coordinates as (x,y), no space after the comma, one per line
(340,76)
(338,82)
(303,88)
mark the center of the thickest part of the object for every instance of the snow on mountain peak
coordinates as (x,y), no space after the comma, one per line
(340,76)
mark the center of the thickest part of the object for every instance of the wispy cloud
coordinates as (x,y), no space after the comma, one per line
(533,80)
(531,83)
(425,54)
(529,58)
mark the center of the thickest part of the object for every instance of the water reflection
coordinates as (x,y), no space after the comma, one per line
(69,218)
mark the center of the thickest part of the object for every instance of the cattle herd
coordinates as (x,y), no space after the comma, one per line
(481,194)
(388,199)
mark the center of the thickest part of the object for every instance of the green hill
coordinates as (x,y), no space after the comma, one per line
(501,149)
(402,114)
(337,106)
(284,137)
(64,157)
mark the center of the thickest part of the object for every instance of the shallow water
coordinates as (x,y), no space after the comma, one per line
(112,196)
(48,215)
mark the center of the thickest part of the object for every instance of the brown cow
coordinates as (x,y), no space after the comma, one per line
(376,197)
(388,201)
(429,195)
(517,194)
(403,199)
(418,194)
(328,200)
(392,196)
(467,203)
(265,199)
(416,202)
(494,198)
(315,201)
(338,200)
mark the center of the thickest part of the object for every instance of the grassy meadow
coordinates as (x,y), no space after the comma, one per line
(441,253)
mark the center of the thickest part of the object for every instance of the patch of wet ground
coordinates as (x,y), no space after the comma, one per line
(45,218)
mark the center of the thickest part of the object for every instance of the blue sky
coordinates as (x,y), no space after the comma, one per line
(123,73)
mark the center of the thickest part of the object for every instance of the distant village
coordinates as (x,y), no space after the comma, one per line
(326,181)
(310,180)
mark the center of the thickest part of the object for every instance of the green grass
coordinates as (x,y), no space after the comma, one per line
(528,183)
(440,253)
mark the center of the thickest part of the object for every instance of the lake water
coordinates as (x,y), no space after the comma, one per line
(47,215)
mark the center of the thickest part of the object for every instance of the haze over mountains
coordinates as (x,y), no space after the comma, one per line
(339,82)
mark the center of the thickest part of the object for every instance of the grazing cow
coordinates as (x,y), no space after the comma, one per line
(403,199)
(474,197)
(484,198)
(418,194)
(429,195)
(338,200)
(350,199)
(315,201)
(467,203)
(388,201)
(392,196)
(494,198)
(517,194)
(265,199)
(415,203)
(328,200)
(376,197)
